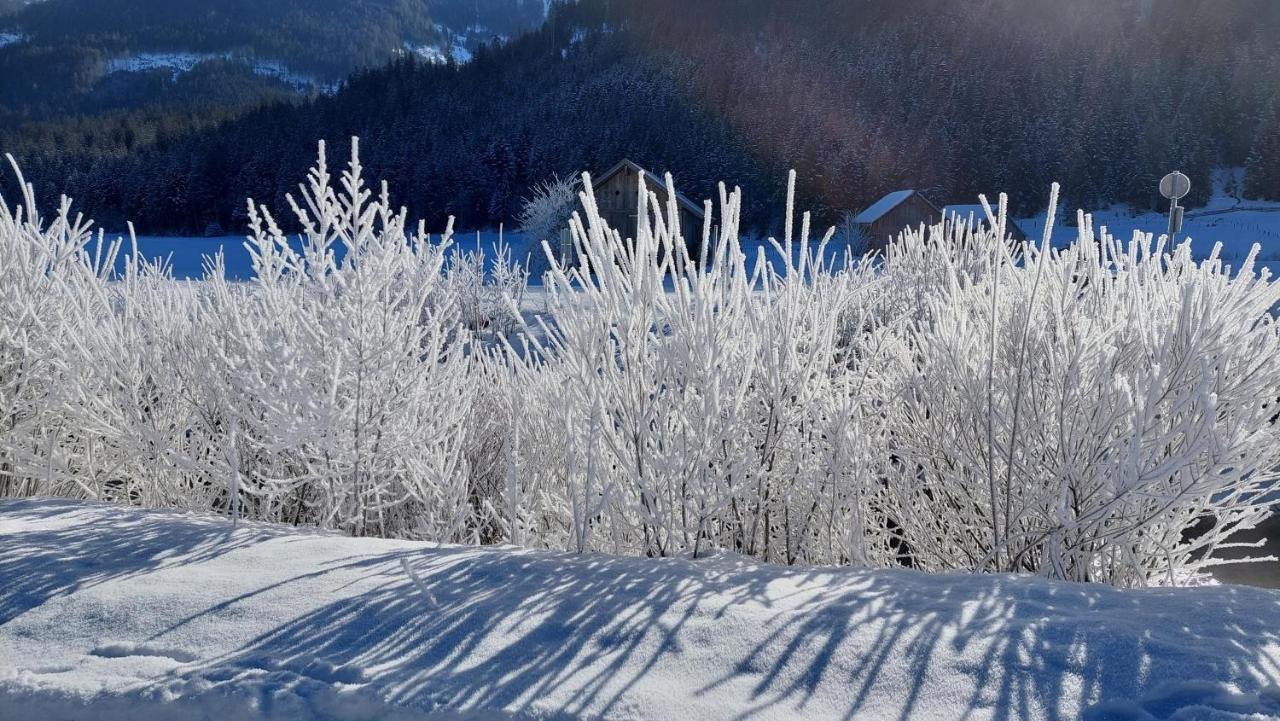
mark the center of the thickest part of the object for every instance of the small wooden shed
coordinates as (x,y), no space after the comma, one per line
(616,194)
(974,214)
(884,219)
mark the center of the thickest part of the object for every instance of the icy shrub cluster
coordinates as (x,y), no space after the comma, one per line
(1100,413)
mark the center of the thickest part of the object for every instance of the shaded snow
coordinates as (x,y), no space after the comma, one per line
(297,80)
(10,39)
(431,52)
(116,613)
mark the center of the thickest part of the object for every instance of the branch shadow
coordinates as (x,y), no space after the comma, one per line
(501,629)
(553,635)
(1029,648)
(112,542)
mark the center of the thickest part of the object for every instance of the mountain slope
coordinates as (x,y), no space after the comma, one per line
(73,56)
(859,98)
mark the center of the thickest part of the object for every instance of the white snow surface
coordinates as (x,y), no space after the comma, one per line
(1236,223)
(116,613)
(436,53)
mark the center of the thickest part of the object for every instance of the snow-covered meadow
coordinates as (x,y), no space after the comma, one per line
(118,614)
(1234,222)
(1099,411)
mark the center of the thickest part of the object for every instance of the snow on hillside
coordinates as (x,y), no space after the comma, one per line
(456,50)
(293,78)
(142,62)
(9,39)
(184,62)
(117,613)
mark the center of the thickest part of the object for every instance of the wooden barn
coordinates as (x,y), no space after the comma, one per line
(884,219)
(978,217)
(615,191)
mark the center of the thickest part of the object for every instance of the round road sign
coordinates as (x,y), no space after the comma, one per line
(1175,185)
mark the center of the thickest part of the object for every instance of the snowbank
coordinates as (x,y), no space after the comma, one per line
(117,613)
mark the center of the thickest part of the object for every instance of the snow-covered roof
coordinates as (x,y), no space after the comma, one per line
(877,209)
(681,198)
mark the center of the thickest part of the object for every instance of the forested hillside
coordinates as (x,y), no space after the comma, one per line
(88,56)
(860,98)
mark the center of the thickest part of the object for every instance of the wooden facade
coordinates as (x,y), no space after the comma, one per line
(883,220)
(616,192)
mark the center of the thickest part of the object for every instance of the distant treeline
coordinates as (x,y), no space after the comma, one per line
(954,99)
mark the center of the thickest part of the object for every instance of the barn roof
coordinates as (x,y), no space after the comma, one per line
(876,210)
(681,199)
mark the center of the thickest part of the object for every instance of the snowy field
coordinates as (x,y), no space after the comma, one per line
(1235,223)
(187,255)
(116,613)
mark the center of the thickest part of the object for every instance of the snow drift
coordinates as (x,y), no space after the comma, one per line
(117,613)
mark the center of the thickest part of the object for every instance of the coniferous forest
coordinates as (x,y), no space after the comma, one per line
(859,98)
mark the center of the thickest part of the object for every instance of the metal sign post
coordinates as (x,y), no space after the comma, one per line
(1173,186)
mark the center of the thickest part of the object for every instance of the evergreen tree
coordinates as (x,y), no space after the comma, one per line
(1262,168)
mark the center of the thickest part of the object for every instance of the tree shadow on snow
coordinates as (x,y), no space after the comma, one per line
(114,542)
(1029,649)
(501,629)
(495,628)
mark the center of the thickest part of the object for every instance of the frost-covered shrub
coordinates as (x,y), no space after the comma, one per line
(543,217)
(1076,414)
(702,404)
(1104,412)
(330,390)
(51,281)
(487,291)
(347,379)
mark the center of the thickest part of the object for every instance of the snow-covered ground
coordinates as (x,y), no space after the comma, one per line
(1235,223)
(187,255)
(116,613)
(9,39)
(293,78)
(453,45)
